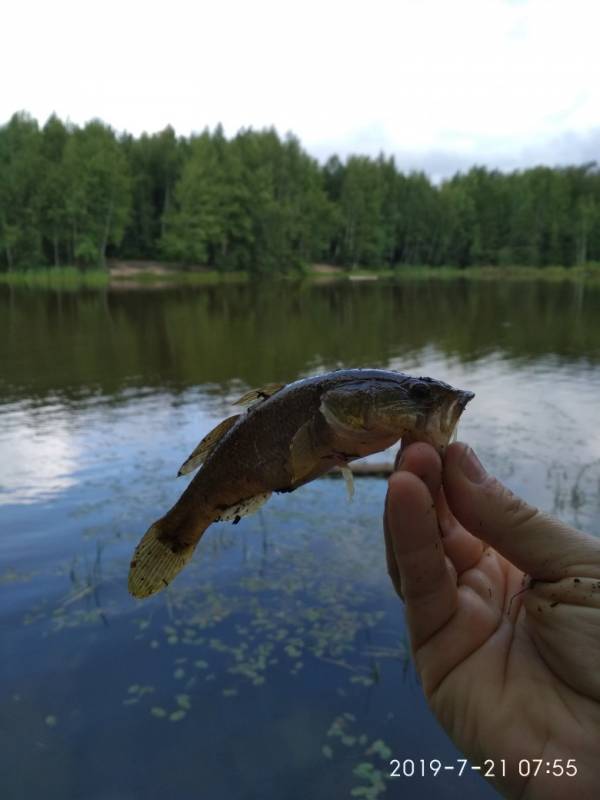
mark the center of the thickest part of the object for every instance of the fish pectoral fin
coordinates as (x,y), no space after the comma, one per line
(207,445)
(235,512)
(258,395)
(349,479)
(334,408)
(303,452)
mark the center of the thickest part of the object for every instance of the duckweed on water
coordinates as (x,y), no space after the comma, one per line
(136,692)
(11,575)
(283,615)
(343,734)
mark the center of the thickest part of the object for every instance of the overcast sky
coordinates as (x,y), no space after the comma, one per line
(440,84)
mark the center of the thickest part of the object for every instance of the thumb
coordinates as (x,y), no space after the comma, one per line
(539,545)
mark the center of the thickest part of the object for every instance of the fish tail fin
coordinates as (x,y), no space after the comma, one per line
(156,561)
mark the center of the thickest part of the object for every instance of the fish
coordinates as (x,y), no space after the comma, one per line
(289,435)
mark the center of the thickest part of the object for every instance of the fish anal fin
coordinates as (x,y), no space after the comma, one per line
(207,445)
(155,564)
(235,512)
(258,395)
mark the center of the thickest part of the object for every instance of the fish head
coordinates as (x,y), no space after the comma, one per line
(414,409)
(437,413)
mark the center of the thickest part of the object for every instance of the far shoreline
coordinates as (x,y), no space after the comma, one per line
(134,274)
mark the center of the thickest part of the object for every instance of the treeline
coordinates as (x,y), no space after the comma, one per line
(258,202)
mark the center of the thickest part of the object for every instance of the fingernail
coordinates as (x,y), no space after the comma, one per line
(471,467)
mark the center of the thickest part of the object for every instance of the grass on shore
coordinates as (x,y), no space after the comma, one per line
(176,276)
(591,272)
(56,278)
(72,278)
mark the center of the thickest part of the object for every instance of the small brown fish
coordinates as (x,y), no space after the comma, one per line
(288,436)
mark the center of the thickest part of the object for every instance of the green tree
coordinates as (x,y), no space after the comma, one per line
(260,203)
(98,192)
(20,168)
(419,233)
(155,164)
(458,212)
(196,227)
(53,188)
(361,199)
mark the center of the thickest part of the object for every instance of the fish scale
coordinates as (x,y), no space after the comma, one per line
(290,435)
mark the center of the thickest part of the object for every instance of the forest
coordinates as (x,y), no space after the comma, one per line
(257,202)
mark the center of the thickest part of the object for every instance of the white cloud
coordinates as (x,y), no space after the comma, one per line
(473,78)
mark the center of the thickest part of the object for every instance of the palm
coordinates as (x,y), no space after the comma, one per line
(509,675)
(497,684)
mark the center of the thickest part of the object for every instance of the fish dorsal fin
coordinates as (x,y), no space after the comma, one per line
(258,395)
(207,445)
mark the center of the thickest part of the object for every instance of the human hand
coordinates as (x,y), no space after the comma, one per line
(509,675)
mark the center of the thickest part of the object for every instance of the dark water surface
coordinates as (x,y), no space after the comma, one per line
(275,666)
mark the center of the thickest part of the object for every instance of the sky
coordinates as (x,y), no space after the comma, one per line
(439,84)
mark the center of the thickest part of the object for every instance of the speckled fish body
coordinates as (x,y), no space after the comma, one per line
(287,439)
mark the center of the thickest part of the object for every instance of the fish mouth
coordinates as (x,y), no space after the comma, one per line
(456,408)
(441,425)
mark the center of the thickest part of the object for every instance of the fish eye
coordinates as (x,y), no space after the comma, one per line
(419,390)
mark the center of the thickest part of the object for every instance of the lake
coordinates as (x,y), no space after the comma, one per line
(276,665)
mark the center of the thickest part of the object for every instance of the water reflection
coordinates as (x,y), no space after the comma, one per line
(39,456)
(84,343)
(287,620)
(534,425)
